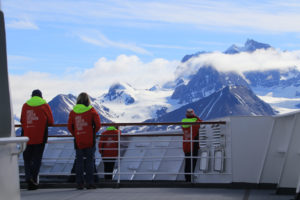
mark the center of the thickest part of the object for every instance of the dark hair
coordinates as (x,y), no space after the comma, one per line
(36,92)
(83,98)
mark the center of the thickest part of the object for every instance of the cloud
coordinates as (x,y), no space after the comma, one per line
(95,81)
(101,40)
(273,16)
(259,60)
(22,24)
(162,46)
(13,58)
(141,75)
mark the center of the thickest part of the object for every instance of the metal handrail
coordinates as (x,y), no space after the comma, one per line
(139,124)
(21,141)
(145,123)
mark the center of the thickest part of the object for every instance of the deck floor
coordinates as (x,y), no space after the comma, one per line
(152,193)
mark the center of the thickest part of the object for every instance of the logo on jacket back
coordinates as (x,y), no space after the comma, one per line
(109,141)
(187,134)
(31,116)
(80,123)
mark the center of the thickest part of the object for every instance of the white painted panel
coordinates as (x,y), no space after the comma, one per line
(218,160)
(249,144)
(278,145)
(291,168)
(9,173)
(204,160)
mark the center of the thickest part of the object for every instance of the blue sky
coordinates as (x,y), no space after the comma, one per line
(59,42)
(51,36)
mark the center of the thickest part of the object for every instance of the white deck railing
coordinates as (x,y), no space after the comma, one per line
(149,155)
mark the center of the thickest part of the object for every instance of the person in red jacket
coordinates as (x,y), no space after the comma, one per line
(84,123)
(190,149)
(36,116)
(108,148)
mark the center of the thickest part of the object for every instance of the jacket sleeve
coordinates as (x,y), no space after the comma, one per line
(23,120)
(49,115)
(199,120)
(96,119)
(23,116)
(196,128)
(71,123)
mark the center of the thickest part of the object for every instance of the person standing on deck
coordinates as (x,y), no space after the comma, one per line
(36,116)
(190,149)
(108,148)
(84,123)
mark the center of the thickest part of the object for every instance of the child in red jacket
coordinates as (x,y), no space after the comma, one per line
(108,148)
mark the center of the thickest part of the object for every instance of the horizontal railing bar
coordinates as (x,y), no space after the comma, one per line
(132,159)
(136,173)
(145,124)
(129,135)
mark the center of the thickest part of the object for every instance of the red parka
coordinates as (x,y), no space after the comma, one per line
(108,144)
(84,123)
(36,116)
(186,145)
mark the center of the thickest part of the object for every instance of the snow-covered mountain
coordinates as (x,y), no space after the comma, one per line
(274,78)
(187,57)
(280,88)
(125,103)
(204,83)
(119,93)
(61,106)
(250,46)
(212,93)
(228,101)
(135,105)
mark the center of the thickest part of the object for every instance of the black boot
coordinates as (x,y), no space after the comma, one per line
(32,185)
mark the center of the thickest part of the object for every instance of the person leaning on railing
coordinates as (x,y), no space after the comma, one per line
(108,148)
(189,146)
(36,116)
(84,123)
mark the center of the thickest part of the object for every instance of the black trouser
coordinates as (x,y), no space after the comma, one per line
(188,168)
(109,164)
(32,160)
(73,178)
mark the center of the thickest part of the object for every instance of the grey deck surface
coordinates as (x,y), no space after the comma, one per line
(152,193)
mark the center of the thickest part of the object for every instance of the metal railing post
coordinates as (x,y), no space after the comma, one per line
(119,154)
(191,154)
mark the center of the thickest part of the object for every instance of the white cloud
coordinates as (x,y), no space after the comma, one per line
(101,40)
(258,60)
(12,58)
(95,80)
(22,24)
(274,16)
(141,75)
(162,46)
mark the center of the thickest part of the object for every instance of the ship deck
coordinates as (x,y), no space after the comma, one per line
(153,193)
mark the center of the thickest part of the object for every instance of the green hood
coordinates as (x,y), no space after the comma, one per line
(80,108)
(188,120)
(36,101)
(111,128)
